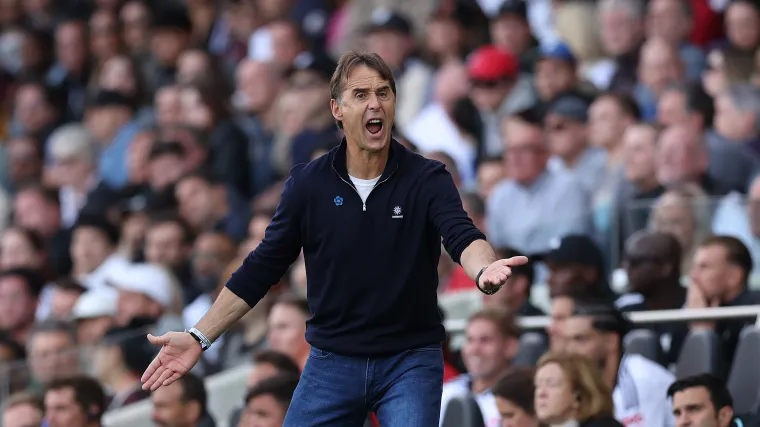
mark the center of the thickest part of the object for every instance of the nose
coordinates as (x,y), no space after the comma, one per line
(374,102)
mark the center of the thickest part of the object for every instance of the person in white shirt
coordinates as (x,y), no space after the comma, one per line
(491,344)
(596,330)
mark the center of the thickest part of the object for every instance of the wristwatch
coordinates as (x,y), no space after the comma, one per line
(200,337)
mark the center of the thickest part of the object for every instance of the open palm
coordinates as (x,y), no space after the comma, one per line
(179,353)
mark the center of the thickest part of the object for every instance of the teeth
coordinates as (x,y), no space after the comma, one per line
(375,122)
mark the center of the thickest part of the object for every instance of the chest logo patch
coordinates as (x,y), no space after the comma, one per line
(338,201)
(397,213)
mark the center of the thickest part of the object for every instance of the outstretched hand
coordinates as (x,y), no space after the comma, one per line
(497,273)
(179,353)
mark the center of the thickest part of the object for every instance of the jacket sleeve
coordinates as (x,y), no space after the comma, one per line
(265,266)
(449,216)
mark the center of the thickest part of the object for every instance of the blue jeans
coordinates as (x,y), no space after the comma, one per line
(404,390)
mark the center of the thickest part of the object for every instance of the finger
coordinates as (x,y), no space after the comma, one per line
(164,376)
(173,378)
(151,369)
(515,261)
(162,340)
(153,378)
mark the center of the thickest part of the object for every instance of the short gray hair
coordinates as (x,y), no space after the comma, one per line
(72,140)
(745,97)
(634,8)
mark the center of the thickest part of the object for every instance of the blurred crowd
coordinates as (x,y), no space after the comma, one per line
(143,147)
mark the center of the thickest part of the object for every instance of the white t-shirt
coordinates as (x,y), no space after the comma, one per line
(640,395)
(364,186)
(460,386)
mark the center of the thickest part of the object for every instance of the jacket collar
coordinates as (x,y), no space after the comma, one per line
(338,159)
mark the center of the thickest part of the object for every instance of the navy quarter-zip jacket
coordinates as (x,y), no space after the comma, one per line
(372,269)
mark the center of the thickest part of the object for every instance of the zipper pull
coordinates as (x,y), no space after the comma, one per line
(364,207)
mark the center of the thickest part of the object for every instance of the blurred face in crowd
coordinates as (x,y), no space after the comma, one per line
(104,35)
(196,201)
(90,331)
(753,207)
(489,95)
(285,43)
(52,355)
(137,157)
(107,360)
(71,46)
(212,252)
(287,331)
(31,210)
(169,106)
(564,276)
(192,66)
(674,214)
(668,19)
(681,157)
(62,409)
(511,32)
(135,18)
(620,31)
(366,96)
(62,302)
(260,372)
(134,304)
(165,244)
(165,170)
(713,274)
(489,174)
(170,409)
(693,407)
(167,44)
(195,113)
(581,338)
(512,415)
(103,122)
(743,25)
(258,226)
(639,148)
(10,12)
(553,77)
(659,65)
(24,162)
(442,36)
(16,251)
(566,137)
(672,109)
(31,109)
(731,122)
(714,80)
(258,86)
(486,352)
(561,309)
(72,170)
(554,399)
(22,415)
(264,411)
(118,75)
(17,304)
(526,152)
(89,248)
(646,266)
(451,85)
(606,123)
(392,46)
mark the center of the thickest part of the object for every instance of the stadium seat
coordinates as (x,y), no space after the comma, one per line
(645,343)
(532,347)
(699,354)
(462,411)
(744,379)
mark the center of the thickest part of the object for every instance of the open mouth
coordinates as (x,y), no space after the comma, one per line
(374,126)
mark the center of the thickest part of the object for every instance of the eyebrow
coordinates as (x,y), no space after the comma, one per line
(365,89)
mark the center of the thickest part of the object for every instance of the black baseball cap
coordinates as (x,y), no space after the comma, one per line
(513,7)
(388,20)
(571,107)
(319,62)
(576,249)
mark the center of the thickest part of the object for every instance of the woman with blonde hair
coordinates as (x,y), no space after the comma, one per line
(570,392)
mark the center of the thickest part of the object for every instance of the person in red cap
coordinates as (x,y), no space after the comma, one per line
(497,90)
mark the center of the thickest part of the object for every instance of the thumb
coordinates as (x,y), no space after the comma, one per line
(162,340)
(514,261)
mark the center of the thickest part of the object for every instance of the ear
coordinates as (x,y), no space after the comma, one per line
(336,109)
(734,274)
(193,412)
(725,415)
(510,349)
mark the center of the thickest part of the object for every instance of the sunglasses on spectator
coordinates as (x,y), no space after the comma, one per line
(485,84)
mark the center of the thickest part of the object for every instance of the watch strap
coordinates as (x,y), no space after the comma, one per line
(200,337)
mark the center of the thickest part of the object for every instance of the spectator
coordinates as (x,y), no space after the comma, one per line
(74,402)
(206,205)
(576,267)
(167,163)
(268,364)
(182,404)
(52,353)
(135,19)
(71,70)
(21,248)
(19,295)
(622,30)
(24,162)
(119,360)
(38,208)
(701,399)
(672,21)
(287,327)
(550,192)
(267,402)
(741,19)
(510,30)
(514,398)
(168,241)
(169,37)
(490,171)
(726,67)
(63,297)
(37,109)
(659,66)
(23,410)
(104,36)
(93,250)
(490,346)
(737,116)
(596,330)
(515,294)
(94,313)
(556,73)
(570,388)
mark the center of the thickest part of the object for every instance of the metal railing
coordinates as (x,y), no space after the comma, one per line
(456,326)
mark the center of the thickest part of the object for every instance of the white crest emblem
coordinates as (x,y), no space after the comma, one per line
(397,213)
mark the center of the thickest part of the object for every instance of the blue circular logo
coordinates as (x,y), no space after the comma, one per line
(338,201)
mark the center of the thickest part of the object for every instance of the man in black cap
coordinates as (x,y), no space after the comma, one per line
(576,267)
(510,31)
(170,36)
(389,34)
(566,132)
(310,77)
